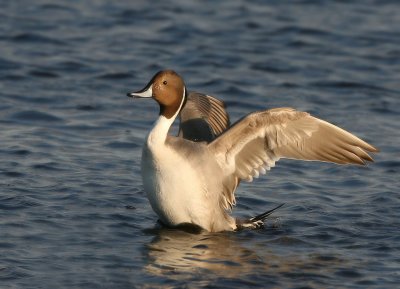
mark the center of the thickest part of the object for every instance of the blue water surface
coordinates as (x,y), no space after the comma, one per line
(73,213)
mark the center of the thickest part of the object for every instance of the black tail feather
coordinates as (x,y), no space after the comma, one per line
(255,222)
(264,215)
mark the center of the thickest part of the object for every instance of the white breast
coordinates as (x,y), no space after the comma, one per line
(174,188)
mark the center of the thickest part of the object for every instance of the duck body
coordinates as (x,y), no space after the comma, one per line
(182,182)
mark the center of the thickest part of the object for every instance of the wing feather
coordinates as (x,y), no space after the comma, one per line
(253,144)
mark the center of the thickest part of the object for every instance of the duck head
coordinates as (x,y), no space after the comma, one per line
(168,89)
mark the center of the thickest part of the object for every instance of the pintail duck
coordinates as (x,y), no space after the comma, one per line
(191,178)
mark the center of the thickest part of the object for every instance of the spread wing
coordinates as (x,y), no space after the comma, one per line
(253,145)
(202,118)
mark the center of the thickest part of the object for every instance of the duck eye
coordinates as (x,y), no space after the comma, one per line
(165,82)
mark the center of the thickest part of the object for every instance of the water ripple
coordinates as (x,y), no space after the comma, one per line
(34,116)
(36,38)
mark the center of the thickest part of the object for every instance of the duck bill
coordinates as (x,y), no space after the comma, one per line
(146,92)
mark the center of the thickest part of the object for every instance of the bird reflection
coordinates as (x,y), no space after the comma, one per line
(181,255)
(176,250)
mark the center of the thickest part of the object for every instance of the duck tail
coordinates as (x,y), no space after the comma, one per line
(255,222)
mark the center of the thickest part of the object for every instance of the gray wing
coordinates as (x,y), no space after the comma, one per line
(202,118)
(253,145)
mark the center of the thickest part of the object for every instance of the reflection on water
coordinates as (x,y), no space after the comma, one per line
(220,253)
(177,254)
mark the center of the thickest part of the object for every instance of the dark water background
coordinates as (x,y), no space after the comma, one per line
(73,213)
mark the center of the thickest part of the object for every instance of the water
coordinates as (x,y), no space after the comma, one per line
(73,213)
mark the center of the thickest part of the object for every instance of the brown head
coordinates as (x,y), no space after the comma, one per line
(167,88)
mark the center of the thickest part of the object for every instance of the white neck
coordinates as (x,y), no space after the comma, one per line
(160,129)
(159,133)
